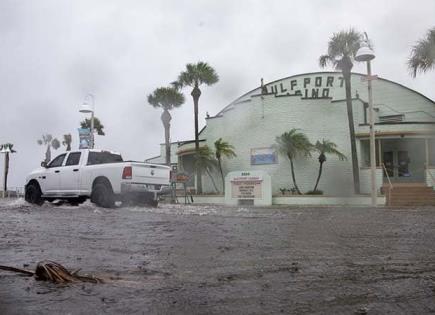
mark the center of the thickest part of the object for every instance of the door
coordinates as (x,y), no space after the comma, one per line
(403,164)
(397,165)
(51,183)
(70,179)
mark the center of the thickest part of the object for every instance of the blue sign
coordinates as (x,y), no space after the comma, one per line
(84,138)
(261,156)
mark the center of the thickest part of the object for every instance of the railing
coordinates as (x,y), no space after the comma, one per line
(390,185)
(12,192)
(430,174)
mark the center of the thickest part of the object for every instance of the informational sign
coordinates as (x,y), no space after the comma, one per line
(261,156)
(248,187)
(85,138)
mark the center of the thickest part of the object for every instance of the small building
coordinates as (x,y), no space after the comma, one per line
(315,104)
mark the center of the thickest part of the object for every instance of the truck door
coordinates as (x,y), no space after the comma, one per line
(70,178)
(51,182)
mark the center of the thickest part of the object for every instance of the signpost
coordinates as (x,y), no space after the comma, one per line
(181,178)
(249,188)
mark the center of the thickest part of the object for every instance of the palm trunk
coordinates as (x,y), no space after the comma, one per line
(48,154)
(5,179)
(196,93)
(318,177)
(355,168)
(212,180)
(222,175)
(293,176)
(166,119)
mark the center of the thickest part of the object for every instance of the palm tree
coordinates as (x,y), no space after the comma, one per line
(97,125)
(294,144)
(326,147)
(194,76)
(423,54)
(205,161)
(223,149)
(48,140)
(8,149)
(67,139)
(342,48)
(166,98)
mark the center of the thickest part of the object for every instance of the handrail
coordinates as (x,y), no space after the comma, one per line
(430,174)
(391,185)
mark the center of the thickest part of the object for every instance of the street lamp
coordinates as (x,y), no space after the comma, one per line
(88,108)
(365,53)
(6,149)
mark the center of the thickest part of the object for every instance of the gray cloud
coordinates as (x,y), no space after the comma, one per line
(52,53)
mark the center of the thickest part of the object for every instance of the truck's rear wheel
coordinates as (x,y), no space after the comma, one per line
(102,196)
(33,194)
(153,203)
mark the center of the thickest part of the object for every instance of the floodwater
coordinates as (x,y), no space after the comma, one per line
(202,259)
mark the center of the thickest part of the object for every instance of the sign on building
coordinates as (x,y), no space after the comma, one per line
(261,156)
(249,188)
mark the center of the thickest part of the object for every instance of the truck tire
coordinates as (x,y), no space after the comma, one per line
(33,194)
(102,196)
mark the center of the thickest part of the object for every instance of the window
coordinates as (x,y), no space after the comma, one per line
(57,161)
(103,158)
(73,159)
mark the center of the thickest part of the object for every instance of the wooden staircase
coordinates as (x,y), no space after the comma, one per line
(409,194)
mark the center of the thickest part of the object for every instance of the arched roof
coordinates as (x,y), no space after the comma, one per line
(257,89)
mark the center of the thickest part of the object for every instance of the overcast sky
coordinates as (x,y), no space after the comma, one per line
(52,53)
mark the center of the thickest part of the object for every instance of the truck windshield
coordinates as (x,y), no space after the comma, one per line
(103,158)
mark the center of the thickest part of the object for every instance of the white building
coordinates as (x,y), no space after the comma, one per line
(315,104)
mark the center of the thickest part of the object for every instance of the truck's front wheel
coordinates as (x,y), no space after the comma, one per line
(102,196)
(33,194)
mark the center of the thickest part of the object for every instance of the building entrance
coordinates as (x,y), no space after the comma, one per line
(404,159)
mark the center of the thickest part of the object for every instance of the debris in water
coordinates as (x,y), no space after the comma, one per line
(54,272)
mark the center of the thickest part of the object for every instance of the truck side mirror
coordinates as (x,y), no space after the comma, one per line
(44,164)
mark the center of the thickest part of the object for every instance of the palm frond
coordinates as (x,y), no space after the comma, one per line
(342,45)
(166,98)
(223,148)
(293,144)
(422,56)
(329,147)
(197,74)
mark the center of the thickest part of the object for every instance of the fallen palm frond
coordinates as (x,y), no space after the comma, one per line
(54,272)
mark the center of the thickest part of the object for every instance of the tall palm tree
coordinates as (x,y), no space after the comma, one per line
(326,147)
(423,54)
(194,76)
(48,140)
(8,148)
(342,48)
(67,140)
(294,144)
(166,98)
(223,149)
(205,161)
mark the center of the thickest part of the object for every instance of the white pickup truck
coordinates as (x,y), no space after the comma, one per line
(99,175)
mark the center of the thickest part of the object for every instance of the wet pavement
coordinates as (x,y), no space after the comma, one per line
(202,259)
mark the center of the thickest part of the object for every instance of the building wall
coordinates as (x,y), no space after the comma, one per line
(254,121)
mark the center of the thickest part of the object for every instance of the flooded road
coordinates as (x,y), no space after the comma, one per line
(202,259)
